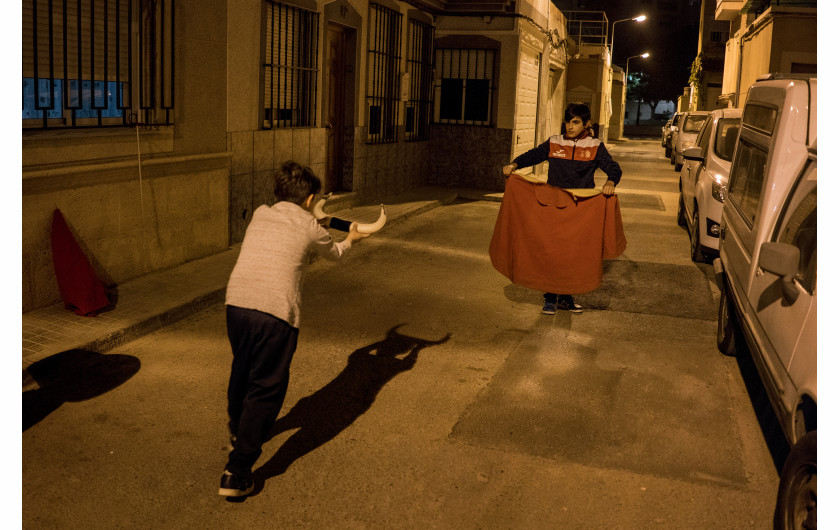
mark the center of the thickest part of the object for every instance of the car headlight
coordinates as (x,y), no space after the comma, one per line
(718,188)
(686,145)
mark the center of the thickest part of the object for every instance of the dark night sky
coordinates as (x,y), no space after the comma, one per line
(669,36)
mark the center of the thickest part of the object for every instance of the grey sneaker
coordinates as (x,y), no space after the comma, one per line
(235,485)
(549,308)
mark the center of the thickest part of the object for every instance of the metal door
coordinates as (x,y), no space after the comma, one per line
(527,97)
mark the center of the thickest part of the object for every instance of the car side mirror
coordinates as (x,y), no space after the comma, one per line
(693,153)
(782,260)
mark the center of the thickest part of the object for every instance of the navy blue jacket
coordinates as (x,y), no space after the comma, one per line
(572,161)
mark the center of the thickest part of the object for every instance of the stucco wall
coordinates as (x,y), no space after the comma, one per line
(781,35)
(126,228)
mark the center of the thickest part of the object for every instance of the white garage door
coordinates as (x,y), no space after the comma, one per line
(527,90)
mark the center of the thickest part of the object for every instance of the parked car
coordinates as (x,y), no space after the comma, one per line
(767,271)
(703,180)
(686,135)
(666,129)
(669,135)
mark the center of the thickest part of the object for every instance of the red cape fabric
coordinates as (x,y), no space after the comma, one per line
(549,240)
(80,289)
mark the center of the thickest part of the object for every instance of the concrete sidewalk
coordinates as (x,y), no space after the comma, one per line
(148,303)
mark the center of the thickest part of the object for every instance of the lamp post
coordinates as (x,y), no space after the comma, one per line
(639,18)
(627,64)
(627,77)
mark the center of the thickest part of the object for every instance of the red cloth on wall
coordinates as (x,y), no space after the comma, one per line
(548,239)
(80,289)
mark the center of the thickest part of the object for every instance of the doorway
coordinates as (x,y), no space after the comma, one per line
(336,98)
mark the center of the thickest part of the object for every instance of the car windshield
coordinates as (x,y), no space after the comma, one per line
(727,134)
(693,123)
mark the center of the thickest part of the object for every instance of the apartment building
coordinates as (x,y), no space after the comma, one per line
(765,36)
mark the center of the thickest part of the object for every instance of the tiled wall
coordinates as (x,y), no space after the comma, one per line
(372,172)
(475,156)
(380,170)
(256,156)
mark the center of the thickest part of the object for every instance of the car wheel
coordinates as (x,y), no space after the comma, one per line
(681,211)
(667,152)
(677,167)
(673,157)
(727,330)
(694,237)
(796,503)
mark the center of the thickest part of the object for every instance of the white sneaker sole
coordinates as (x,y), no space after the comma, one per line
(230,492)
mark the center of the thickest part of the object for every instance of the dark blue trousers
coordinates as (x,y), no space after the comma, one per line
(262,346)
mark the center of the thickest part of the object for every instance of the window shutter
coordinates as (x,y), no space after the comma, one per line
(94,45)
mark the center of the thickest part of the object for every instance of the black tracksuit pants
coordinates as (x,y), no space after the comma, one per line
(262,346)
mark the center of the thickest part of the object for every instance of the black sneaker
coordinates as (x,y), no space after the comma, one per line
(549,308)
(568,304)
(235,485)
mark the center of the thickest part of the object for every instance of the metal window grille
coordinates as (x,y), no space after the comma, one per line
(418,109)
(383,78)
(465,87)
(93,63)
(290,69)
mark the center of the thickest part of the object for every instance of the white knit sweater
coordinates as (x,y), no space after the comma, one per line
(274,257)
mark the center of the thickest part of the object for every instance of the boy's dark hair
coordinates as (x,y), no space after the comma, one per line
(294,183)
(578,110)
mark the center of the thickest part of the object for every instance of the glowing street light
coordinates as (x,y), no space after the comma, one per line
(627,65)
(639,18)
(627,77)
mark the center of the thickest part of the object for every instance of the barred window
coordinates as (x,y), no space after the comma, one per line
(418,109)
(290,70)
(383,81)
(89,63)
(465,86)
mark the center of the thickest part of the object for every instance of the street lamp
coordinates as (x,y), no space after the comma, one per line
(627,77)
(612,35)
(627,65)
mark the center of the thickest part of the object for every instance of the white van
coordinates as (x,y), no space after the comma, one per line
(767,271)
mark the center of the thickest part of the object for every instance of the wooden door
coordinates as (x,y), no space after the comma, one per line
(335,97)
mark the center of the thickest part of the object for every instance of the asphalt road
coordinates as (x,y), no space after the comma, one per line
(429,392)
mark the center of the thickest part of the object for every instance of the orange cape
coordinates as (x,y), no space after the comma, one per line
(555,240)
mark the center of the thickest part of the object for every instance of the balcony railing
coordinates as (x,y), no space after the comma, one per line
(587,27)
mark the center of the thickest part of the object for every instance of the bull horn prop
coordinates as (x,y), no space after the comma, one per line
(369,228)
(341,224)
(318,210)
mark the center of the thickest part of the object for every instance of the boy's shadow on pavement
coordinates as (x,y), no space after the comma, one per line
(321,416)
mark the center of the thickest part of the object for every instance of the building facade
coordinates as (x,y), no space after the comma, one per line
(155,126)
(706,79)
(766,36)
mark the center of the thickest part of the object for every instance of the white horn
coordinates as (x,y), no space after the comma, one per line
(318,209)
(373,227)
